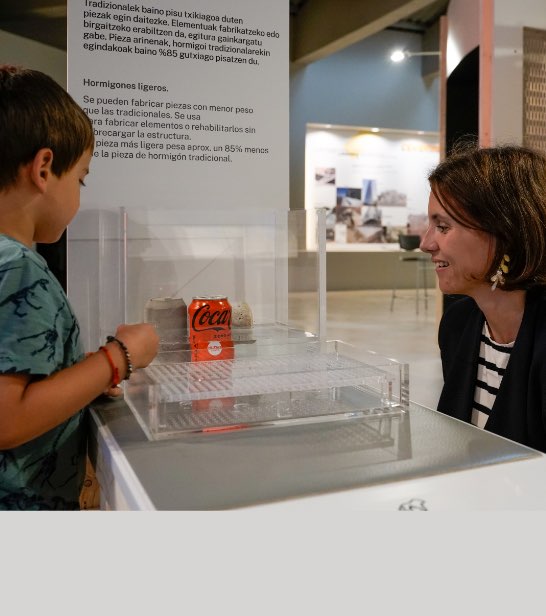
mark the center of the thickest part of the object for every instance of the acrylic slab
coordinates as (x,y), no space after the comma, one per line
(305,381)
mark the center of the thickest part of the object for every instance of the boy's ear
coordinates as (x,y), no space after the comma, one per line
(40,168)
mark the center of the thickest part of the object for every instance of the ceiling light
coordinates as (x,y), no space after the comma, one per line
(398,55)
(57,11)
(401,54)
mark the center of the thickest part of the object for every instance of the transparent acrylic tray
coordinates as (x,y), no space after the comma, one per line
(263,335)
(310,381)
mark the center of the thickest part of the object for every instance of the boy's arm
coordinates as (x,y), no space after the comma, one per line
(30,408)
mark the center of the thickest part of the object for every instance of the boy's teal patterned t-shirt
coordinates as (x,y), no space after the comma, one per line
(39,335)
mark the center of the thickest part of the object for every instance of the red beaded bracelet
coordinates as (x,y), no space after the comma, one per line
(126,353)
(115,372)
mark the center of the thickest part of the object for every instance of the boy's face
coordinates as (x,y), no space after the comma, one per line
(62,201)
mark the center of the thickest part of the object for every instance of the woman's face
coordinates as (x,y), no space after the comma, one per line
(461,256)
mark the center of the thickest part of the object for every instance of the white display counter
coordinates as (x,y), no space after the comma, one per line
(418,460)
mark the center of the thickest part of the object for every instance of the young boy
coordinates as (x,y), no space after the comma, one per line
(46,381)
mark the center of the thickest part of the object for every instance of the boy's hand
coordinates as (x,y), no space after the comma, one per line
(113,392)
(141,340)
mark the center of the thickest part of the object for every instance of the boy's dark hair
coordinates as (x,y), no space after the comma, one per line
(502,191)
(36,112)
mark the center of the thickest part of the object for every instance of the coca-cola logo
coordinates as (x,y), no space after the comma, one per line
(203,319)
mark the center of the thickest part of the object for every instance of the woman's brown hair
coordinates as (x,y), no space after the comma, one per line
(501,191)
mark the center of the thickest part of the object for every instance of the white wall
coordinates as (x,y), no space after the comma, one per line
(510,17)
(463,24)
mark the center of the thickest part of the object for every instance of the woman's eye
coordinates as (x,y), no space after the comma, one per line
(82,183)
(442,228)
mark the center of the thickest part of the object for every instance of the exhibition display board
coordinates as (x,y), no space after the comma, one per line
(181,101)
(372,182)
(184,115)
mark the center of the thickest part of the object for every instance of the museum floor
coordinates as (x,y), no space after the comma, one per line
(364,319)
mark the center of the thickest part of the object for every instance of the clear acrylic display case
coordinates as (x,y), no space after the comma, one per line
(283,368)
(254,257)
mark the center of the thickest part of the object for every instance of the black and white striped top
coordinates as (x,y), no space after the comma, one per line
(491,367)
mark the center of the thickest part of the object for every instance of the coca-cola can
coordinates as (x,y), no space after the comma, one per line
(209,328)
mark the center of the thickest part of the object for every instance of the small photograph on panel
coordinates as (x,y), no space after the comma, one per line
(392,198)
(371,215)
(369,191)
(324,190)
(348,196)
(348,213)
(349,206)
(325,175)
(366,234)
(330,224)
(417,224)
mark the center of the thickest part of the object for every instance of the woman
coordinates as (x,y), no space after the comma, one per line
(487,239)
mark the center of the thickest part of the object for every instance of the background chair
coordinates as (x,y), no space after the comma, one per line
(410,244)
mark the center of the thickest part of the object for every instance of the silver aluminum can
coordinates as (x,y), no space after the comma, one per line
(170,317)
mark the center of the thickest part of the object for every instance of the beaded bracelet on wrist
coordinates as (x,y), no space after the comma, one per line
(126,353)
(115,372)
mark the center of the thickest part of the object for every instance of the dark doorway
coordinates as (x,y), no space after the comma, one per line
(462,112)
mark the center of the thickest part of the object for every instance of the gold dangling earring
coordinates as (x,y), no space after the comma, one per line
(498,278)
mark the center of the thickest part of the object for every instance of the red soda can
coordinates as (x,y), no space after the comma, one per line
(209,328)
(209,325)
